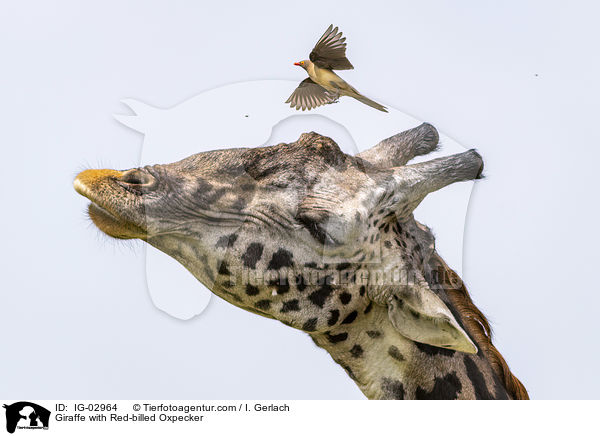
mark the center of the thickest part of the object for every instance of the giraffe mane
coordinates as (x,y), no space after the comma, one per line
(478,327)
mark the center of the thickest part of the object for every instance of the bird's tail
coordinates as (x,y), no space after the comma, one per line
(369,102)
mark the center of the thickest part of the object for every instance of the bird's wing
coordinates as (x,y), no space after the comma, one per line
(309,95)
(330,51)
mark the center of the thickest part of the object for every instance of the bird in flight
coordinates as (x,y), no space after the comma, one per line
(323,86)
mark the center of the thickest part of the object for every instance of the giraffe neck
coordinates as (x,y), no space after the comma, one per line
(386,365)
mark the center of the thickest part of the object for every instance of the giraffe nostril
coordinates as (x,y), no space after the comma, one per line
(137,181)
(137,177)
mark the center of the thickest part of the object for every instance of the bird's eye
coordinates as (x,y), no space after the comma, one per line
(302,62)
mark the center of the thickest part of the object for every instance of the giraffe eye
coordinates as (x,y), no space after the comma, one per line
(317,231)
(321,235)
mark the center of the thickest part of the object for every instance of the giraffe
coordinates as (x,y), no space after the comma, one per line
(327,243)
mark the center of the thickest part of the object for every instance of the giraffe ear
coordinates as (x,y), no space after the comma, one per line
(420,315)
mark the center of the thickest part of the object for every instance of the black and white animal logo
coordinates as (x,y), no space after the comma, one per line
(26,415)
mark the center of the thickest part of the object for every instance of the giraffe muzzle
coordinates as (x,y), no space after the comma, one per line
(117,207)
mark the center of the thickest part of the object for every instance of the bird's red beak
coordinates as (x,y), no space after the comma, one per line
(297,63)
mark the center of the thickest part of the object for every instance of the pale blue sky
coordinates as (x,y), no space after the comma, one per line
(516,80)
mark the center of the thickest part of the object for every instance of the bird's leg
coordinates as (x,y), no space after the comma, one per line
(334,96)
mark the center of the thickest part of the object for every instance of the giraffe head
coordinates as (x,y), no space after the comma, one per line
(299,232)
